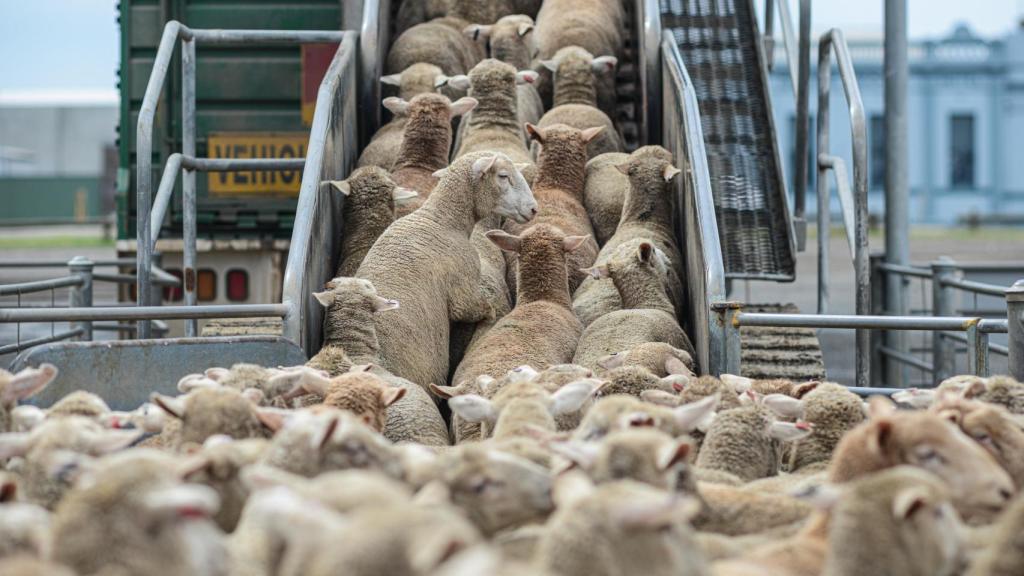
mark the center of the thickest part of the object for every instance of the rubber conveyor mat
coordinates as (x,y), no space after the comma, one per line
(790,353)
(718,41)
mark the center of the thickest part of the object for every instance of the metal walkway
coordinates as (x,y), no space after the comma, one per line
(719,43)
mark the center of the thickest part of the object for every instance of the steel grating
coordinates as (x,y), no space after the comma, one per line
(718,40)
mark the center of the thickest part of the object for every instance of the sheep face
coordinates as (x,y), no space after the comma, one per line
(992,427)
(363,394)
(521,405)
(210,411)
(502,190)
(497,490)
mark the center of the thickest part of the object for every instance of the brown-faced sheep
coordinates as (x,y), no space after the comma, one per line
(425,144)
(368,210)
(832,411)
(993,427)
(362,393)
(659,358)
(747,442)
(647,315)
(581,78)
(493,125)
(511,41)
(209,411)
(383,148)
(438,281)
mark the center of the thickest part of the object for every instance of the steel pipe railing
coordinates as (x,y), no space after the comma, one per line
(39,285)
(834,41)
(26,344)
(8,315)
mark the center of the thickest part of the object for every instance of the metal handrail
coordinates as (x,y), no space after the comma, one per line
(330,155)
(857,199)
(173,32)
(39,285)
(694,215)
(142,312)
(648,14)
(374,40)
(26,344)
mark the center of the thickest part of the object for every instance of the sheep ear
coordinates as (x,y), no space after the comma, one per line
(678,382)
(669,172)
(790,431)
(654,514)
(400,194)
(583,454)
(27,382)
(673,454)
(440,80)
(504,240)
(526,77)
(525,29)
(534,133)
(445,391)
(660,398)
(881,434)
(674,365)
(273,418)
(590,133)
(613,360)
(598,271)
(341,186)
(8,490)
(477,32)
(522,166)
(173,406)
(439,173)
(462,105)
(881,406)
(473,408)
(191,382)
(524,373)
(216,373)
(381,304)
(739,384)
(14,444)
(391,395)
(693,415)
(974,389)
(570,398)
(800,390)
(396,105)
(550,65)
(26,417)
(604,64)
(323,438)
(254,395)
(484,382)
(909,501)
(784,406)
(483,165)
(644,252)
(391,79)
(325,298)
(571,243)
(623,168)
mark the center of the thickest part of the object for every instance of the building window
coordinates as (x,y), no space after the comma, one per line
(812,169)
(876,161)
(961,151)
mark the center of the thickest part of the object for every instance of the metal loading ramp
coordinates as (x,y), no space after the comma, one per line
(790,353)
(720,46)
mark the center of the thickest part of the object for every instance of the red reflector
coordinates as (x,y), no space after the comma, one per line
(172,293)
(206,285)
(238,285)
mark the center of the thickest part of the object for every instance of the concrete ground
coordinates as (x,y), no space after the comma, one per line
(61,244)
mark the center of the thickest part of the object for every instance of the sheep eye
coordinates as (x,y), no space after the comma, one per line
(930,456)
(503,175)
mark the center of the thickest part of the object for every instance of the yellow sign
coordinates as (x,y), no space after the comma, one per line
(256,145)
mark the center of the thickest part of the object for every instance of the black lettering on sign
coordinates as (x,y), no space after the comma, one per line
(218,152)
(241,151)
(287,152)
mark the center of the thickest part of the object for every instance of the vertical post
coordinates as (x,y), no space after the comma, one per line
(803,126)
(188,182)
(977,350)
(156,292)
(943,351)
(769,33)
(879,360)
(897,242)
(824,215)
(81,295)
(727,317)
(1015,317)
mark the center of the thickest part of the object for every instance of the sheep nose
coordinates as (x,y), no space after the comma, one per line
(1005,494)
(533,211)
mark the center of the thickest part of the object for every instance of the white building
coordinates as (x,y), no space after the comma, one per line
(966,125)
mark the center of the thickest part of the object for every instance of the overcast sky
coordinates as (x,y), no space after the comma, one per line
(73,44)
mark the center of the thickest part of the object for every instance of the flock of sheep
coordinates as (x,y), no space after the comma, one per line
(504,388)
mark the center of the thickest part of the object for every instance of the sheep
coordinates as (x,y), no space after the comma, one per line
(218,465)
(133,516)
(832,411)
(486,11)
(1002,390)
(15,387)
(439,279)
(647,315)
(496,490)
(605,193)
(342,491)
(623,411)
(646,216)
(492,125)
(1003,555)
(559,190)
(993,427)
(520,408)
(644,454)
(619,528)
(425,143)
(899,521)
(31,566)
(52,447)
(350,340)
(659,358)
(541,330)
(413,12)
(581,117)
(24,529)
(209,411)
(369,208)
(553,378)
(439,42)
(360,392)
(632,380)
(981,488)
(581,78)
(420,78)
(510,40)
